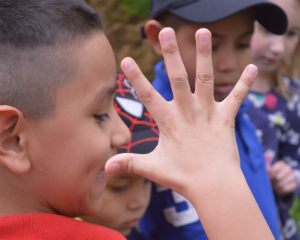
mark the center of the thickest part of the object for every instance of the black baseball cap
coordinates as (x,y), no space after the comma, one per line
(269,15)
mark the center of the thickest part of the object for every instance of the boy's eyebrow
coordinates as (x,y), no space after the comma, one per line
(122,177)
(217,35)
(100,96)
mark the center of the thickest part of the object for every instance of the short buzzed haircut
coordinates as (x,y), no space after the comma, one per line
(171,20)
(36,42)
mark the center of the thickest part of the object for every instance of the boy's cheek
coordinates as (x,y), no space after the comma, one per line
(246,58)
(112,152)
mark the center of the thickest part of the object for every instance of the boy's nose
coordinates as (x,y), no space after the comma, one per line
(121,134)
(227,62)
(138,201)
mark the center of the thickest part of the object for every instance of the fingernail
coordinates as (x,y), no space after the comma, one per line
(115,167)
(204,37)
(252,71)
(168,36)
(127,64)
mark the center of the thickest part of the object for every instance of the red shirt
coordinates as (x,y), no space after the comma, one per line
(42,226)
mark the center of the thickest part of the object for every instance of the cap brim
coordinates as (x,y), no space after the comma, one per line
(269,15)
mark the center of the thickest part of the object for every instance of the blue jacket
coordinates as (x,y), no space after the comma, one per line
(171,216)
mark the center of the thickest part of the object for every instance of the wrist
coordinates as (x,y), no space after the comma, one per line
(215,182)
(226,193)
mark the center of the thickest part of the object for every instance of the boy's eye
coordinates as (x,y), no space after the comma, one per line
(214,47)
(101,118)
(292,33)
(243,46)
(119,189)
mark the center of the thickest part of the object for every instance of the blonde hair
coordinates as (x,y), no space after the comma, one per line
(291,68)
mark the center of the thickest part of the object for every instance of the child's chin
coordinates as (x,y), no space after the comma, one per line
(126,232)
(220,97)
(92,208)
(94,197)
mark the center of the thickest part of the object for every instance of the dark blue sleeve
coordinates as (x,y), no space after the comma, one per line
(135,235)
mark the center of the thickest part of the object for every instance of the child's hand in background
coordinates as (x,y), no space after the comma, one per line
(282,178)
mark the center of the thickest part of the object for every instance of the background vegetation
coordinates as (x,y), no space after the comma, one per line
(123,20)
(295,212)
(135,8)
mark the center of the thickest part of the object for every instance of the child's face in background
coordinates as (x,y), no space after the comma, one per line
(70,149)
(269,50)
(231,50)
(124,202)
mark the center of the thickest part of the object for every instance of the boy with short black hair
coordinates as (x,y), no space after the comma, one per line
(58,127)
(170,216)
(127,196)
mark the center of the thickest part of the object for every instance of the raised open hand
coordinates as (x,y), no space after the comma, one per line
(196,133)
(197,155)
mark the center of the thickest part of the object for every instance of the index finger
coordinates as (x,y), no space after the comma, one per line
(152,100)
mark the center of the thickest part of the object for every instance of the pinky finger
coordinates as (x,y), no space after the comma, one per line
(237,96)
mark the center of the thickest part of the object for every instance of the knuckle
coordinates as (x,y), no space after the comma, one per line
(179,80)
(205,78)
(205,51)
(130,164)
(167,126)
(189,119)
(147,96)
(247,82)
(238,95)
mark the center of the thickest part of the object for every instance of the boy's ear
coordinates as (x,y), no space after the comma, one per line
(152,29)
(12,146)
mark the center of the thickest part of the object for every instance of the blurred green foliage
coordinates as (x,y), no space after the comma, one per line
(136,8)
(295,212)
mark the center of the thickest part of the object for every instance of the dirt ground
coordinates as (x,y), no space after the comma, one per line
(123,33)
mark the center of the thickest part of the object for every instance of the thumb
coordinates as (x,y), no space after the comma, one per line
(139,164)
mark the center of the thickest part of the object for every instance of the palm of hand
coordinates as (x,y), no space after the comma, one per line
(197,139)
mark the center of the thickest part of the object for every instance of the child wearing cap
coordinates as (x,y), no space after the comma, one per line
(127,196)
(59,127)
(171,216)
